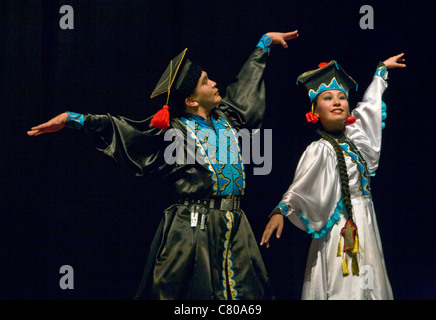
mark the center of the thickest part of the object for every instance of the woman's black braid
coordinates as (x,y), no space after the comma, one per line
(343,174)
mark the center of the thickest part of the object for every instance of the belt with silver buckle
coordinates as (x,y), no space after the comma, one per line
(224,204)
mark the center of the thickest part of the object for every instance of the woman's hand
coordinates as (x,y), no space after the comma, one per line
(281,37)
(275,223)
(394,62)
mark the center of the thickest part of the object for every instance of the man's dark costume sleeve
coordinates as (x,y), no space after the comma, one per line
(139,149)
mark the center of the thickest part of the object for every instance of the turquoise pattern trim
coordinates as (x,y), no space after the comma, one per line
(334,84)
(284,208)
(219,148)
(384,114)
(75,120)
(330,223)
(382,71)
(265,43)
(362,169)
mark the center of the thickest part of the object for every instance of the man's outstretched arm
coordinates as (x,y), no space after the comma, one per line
(65,119)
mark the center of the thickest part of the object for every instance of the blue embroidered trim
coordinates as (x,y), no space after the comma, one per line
(265,43)
(330,223)
(382,71)
(334,84)
(362,169)
(220,151)
(384,114)
(75,120)
(284,208)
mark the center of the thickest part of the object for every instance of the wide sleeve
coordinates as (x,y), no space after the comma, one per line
(311,201)
(244,102)
(366,132)
(135,147)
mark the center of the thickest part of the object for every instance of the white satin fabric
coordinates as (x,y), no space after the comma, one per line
(313,197)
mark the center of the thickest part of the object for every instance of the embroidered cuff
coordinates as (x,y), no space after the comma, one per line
(75,120)
(315,234)
(265,43)
(283,208)
(382,71)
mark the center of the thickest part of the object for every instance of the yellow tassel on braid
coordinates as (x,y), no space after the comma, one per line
(345,271)
(356,244)
(355,262)
(338,254)
(355,265)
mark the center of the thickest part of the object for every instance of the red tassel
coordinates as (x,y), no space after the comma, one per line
(310,117)
(323,64)
(350,120)
(161,119)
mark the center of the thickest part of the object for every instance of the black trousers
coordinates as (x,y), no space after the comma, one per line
(201,253)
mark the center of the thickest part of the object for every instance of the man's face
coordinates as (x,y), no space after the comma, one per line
(206,93)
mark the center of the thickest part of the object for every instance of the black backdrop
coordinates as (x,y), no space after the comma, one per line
(62,203)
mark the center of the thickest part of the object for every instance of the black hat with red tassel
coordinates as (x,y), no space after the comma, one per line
(182,76)
(329,75)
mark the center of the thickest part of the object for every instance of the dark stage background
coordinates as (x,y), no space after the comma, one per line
(62,203)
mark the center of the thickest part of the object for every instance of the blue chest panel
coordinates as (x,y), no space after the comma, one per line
(217,148)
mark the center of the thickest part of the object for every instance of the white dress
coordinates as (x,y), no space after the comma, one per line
(313,203)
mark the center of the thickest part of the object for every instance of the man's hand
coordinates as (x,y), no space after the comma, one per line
(281,37)
(394,62)
(275,222)
(53,125)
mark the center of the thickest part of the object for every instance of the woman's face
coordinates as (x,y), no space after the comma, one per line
(332,109)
